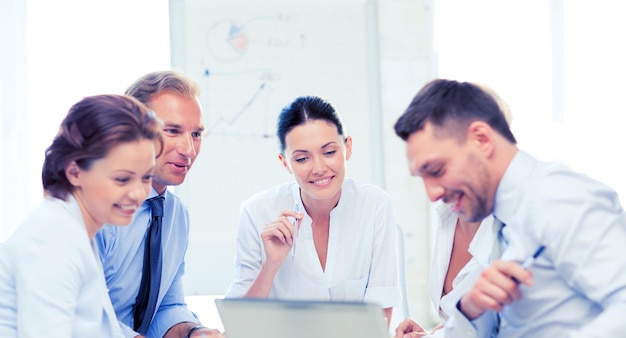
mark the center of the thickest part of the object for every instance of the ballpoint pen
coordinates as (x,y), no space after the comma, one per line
(295,232)
(529,261)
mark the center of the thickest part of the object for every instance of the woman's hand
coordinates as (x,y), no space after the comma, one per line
(408,328)
(278,237)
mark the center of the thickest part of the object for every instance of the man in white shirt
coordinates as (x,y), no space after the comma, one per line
(460,144)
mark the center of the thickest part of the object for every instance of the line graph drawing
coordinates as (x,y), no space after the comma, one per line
(229,122)
(242,67)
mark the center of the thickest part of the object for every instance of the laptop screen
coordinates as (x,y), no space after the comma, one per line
(245,318)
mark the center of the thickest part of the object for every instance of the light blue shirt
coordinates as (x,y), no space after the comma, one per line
(361,261)
(580,279)
(51,280)
(122,250)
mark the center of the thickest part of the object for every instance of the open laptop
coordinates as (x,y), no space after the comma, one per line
(263,318)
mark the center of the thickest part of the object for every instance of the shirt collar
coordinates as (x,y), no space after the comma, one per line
(481,245)
(153,193)
(508,193)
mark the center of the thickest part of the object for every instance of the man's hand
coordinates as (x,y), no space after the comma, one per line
(181,330)
(495,288)
(206,332)
(408,328)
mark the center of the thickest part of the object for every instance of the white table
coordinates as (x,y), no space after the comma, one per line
(204,308)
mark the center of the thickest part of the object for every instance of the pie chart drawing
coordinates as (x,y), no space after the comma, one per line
(227,40)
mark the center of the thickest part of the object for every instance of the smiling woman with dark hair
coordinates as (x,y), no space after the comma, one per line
(322,236)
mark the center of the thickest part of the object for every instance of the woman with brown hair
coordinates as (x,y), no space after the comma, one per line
(98,170)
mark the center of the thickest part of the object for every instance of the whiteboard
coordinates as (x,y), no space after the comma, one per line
(250,60)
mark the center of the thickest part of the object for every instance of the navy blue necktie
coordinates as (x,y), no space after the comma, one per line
(145,303)
(500,245)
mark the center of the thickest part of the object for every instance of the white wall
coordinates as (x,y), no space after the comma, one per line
(407,63)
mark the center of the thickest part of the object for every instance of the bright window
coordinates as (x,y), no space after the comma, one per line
(66,49)
(559,65)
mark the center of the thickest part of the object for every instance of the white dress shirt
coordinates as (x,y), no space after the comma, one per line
(480,248)
(51,280)
(362,259)
(580,280)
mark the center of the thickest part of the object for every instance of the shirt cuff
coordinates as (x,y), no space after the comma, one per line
(165,319)
(459,326)
(195,328)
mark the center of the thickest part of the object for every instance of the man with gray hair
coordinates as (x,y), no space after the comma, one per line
(145,261)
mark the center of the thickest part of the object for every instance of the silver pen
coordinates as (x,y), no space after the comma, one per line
(295,232)
(530,260)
